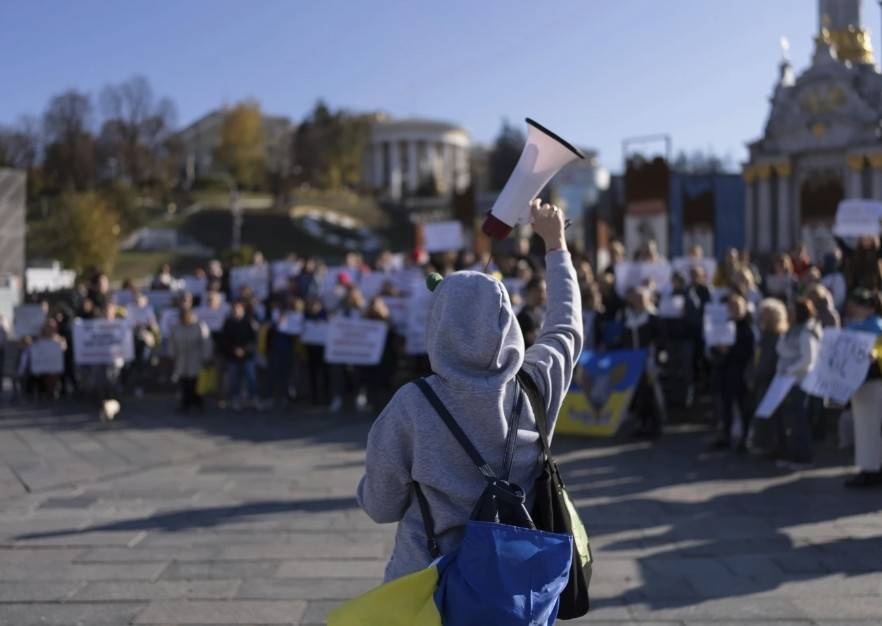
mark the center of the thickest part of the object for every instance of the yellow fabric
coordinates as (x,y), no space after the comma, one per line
(206,382)
(262,336)
(407,601)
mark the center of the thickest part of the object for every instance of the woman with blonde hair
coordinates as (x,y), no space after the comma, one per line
(772,323)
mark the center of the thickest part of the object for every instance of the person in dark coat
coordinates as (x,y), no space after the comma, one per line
(733,363)
(240,342)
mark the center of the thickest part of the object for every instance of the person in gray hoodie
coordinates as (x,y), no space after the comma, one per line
(476,348)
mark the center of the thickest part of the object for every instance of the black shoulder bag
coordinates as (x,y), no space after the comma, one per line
(501,502)
(554,511)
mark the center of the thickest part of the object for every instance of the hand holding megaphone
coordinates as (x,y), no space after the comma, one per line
(549,224)
(543,156)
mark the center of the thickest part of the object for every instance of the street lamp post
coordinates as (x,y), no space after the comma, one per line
(236,211)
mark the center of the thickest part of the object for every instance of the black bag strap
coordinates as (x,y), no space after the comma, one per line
(455,429)
(539,411)
(428,522)
(486,470)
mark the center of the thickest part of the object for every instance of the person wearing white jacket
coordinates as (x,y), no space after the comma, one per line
(797,352)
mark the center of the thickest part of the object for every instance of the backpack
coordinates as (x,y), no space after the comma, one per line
(502,559)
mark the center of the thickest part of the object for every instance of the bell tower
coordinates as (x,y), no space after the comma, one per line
(839,25)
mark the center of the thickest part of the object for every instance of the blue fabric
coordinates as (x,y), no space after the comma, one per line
(503,576)
(872,324)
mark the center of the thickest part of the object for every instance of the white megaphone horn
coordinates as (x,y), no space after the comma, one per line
(543,156)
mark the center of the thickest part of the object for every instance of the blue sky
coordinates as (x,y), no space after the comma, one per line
(595,71)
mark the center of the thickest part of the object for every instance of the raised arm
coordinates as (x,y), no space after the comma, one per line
(551,359)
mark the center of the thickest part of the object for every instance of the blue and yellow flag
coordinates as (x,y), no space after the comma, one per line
(499,576)
(601,392)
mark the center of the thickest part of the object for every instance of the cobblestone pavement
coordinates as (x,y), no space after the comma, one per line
(250,519)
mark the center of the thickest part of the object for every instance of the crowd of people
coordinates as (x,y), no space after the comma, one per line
(242,344)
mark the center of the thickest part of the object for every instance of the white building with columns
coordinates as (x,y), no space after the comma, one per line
(417,157)
(822,141)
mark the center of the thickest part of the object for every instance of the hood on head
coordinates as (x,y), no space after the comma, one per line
(473,337)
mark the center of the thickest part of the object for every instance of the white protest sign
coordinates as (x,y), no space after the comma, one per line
(718,329)
(775,394)
(160,298)
(213,318)
(842,364)
(140,315)
(49,278)
(672,307)
(314,332)
(372,284)
(256,277)
(397,313)
(28,320)
(283,271)
(514,286)
(355,341)
(291,323)
(683,265)
(102,342)
(443,236)
(195,285)
(858,218)
(417,319)
(47,357)
(630,275)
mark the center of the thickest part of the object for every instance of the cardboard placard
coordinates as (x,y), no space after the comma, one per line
(353,341)
(842,364)
(719,330)
(443,236)
(775,394)
(290,323)
(47,357)
(28,320)
(858,218)
(213,318)
(257,277)
(102,342)
(417,320)
(314,333)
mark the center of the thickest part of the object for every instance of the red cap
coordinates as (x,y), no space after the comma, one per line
(343,279)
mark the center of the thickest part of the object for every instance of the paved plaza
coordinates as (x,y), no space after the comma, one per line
(250,519)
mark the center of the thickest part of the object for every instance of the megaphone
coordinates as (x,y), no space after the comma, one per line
(543,156)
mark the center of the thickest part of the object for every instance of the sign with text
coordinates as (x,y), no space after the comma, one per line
(47,357)
(141,315)
(53,278)
(443,236)
(28,320)
(719,330)
(355,341)
(195,285)
(775,394)
(842,364)
(672,307)
(102,342)
(397,313)
(858,218)
(256,277)
(283,271)
(160,298)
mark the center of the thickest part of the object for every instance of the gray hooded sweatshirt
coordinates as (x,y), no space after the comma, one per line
(476,348)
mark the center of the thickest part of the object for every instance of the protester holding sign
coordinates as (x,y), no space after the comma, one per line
(864,308)
(240,344)
(768,434)
(797,352)
(281,341)
(732,364)
(315,316)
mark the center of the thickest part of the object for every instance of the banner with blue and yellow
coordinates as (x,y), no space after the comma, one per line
(601,392)
(499,576)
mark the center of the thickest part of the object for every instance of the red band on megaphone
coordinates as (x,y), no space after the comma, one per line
(495,228)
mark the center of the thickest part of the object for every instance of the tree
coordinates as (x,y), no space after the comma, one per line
(242,149)
(700,162)
(328,148)
(20,144)
(132,138)
(83,233)
(70,145)
(505,154)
